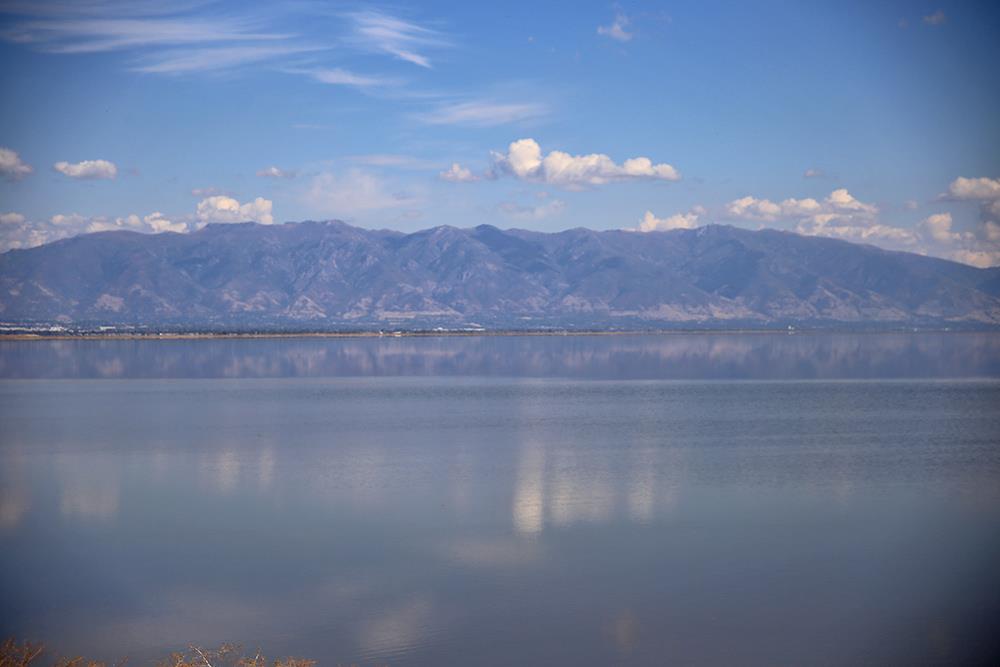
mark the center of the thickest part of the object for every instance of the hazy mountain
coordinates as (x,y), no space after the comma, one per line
(329,275)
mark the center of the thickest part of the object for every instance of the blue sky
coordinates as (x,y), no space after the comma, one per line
(874,122)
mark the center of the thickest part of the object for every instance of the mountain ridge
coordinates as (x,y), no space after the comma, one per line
(332,275)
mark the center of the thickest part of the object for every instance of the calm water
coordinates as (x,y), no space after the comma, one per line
(730,499)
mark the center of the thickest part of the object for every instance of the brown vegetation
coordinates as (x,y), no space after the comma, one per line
(27,654)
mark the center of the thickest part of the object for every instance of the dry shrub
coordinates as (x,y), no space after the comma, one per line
(27,654)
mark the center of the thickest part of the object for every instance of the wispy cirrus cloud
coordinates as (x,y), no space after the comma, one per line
(165,38)
(91,26)
(617,29)
(184,61)
(338,76)
(383,33)
(277,172)
(353,191)
(545,207)
(482,113)
(394,161)
(935,19)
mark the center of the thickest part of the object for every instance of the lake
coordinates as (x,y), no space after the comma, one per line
(495,500)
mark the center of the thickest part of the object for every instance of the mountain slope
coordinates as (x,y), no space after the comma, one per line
(332,275)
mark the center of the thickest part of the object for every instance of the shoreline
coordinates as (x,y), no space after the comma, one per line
(464,334)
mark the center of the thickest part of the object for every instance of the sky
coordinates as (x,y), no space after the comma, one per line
(875,122)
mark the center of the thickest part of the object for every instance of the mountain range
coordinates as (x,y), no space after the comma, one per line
(334,276)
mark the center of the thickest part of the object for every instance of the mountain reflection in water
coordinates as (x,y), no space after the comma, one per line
(485,500)
(668,356)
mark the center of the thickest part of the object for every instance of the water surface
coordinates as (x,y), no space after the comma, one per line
(704,499)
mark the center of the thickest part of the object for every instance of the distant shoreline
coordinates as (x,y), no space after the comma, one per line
(465,334)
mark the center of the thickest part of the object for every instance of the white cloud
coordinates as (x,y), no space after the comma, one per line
(276,172)
(537,212)
(991,230)
(985,191)
(394,161)
(814,173)
(937,18)
(975,188)
(184,61)
(17,231)
(839,202)
(339,76)
(220,208)
(839,215)
(159,223)
(11,166)
(981,258)
(166,37)
(88,169)
(618,29)
(689,220)
(112,27)
(380,32)
(352,192)
(524,160)
(458,174)
(939,228)
(483,113)
(207,192)
(20,232)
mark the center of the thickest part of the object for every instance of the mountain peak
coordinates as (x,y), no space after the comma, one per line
(330,274)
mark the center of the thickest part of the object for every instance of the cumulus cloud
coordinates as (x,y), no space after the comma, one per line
(751,208)
(982,247)
(12,167)
(689,220)
(458,174)
(617,29)
(220,208)
(839,215)
(524,160)
(842,215)
(984,191)
(981,258)
(157,222)
(276,172)
(19,232)
(975,188)
(938,227)
(88,169)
